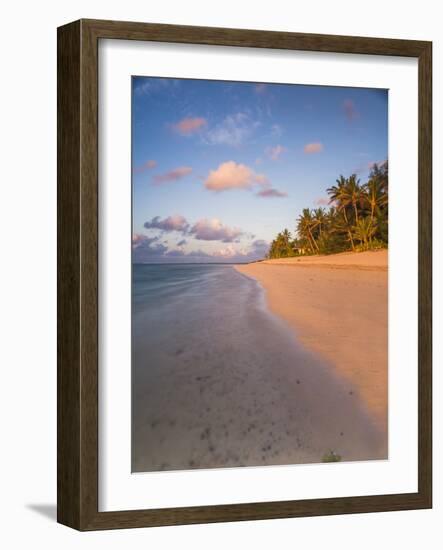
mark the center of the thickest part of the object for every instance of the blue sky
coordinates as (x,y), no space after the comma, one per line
(219,168)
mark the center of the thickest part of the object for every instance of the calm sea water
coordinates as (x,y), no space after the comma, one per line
(198,310)
(218,381)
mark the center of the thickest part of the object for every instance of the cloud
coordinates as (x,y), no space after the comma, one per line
(270,192)
(143,87)
(158,253)
(350,110)
(230,175)
(146,248)
(188,126)
(172,175)
(171,223)
(175,253)
(149,85)
(260,88)
(315,147)
(276,130)
(321,201)
(214,230)
(260,247)
(227,252)
(139,239)
(274,153)
(148,165)
(256,251)
(233,130)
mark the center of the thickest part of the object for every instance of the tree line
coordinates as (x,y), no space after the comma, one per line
(357,219)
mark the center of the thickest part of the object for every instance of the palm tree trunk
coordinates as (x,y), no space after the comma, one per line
(372,212)
(349,231)
(372,221)
(356,212)
(313,240)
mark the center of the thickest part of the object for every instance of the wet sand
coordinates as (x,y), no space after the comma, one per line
(338,307)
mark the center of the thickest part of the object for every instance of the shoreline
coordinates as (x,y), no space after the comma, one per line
(233,387)
(337,307)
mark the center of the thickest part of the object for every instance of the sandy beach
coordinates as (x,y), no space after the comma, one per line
(337,307)
(222,382)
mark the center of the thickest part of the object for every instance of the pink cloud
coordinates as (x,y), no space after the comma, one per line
(271,193)
(315,147)
(321,201)
(189,126)
(261,179)
(274,153)
(230,175)
(142,241)
(350,110)
(148,165)
(171,223)
(172,175)
(214,230)
(138,238)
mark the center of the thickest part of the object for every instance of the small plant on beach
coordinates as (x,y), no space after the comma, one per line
(331,456)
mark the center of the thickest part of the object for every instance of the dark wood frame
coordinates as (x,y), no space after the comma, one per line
(77,456)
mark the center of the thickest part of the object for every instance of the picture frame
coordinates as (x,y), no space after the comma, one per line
(77,276)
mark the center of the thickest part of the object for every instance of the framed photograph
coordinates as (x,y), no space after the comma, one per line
(244,275)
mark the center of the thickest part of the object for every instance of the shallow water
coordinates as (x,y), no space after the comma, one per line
(218,381)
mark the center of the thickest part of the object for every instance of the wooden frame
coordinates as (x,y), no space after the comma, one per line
(77,456)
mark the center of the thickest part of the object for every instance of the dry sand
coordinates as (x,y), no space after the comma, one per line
(338,307)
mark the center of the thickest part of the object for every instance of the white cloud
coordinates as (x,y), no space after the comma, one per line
(233,130)
(274,153)
(276,130)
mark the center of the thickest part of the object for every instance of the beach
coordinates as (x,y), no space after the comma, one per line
(337,307)
(220,381)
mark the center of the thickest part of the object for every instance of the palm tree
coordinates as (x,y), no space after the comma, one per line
(364,230)
(358,213)
(340,197)
(305,225)
(285,240)
(319,216)
(374,196)
(281,246)
(353,194)
(336,191)
(380,172)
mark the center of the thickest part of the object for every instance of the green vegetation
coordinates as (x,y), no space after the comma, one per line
(331,457)
(356,220)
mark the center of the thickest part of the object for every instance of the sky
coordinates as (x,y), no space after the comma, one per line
(219,168)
